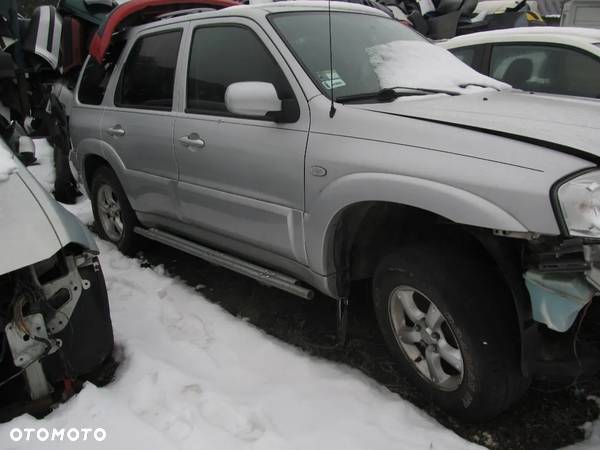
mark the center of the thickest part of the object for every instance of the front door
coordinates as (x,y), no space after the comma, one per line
(138,125)
(240,177)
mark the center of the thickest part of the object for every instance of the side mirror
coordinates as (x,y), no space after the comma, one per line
(252,98)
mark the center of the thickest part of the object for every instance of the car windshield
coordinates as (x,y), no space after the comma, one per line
(372,53)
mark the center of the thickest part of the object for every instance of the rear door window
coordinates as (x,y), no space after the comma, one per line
(546,68)
(148,77)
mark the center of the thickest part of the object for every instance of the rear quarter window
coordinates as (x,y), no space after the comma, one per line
(93,82)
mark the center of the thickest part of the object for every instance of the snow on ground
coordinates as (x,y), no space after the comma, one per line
(195,377)
(592,431)
(7,164)
(44,171)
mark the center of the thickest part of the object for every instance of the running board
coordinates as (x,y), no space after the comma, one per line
(262,275)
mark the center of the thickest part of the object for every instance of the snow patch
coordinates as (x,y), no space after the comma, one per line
(44,170)
(7,162)
(418,64)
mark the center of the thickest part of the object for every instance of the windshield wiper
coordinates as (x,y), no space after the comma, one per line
(478,85)
(389,94)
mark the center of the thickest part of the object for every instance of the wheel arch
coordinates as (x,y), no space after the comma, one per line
(366,231)
(93,157)
(350,193)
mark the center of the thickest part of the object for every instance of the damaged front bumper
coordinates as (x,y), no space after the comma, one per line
(561,338)
(563,283)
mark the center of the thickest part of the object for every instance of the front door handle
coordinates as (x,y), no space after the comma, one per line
(116,131)
(192,141)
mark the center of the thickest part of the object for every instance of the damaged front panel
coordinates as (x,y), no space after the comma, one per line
(562,281)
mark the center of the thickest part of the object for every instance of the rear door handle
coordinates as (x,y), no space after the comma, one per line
(116,131)
(192,141)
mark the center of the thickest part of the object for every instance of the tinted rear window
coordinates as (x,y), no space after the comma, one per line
(149,73)
(93,82)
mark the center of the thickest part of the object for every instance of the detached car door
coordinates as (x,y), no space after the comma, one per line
(138,123)
(241,179)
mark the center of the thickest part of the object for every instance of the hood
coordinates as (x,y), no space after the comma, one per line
(568,124)
(26,234)
(33,226)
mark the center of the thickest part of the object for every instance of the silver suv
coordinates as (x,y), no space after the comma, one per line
(472,208)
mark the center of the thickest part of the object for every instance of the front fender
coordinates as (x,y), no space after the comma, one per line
(450,202)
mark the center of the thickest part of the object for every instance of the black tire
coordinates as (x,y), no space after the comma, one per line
(127,240)
(478,311)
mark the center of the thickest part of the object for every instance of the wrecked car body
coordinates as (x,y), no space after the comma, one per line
(469,207)
(55,324)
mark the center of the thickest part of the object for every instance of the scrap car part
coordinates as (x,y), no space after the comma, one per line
(29,343)
(44,34)
(136,12)
(556,299)
(71,283)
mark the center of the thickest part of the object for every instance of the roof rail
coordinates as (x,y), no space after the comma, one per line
(184,12)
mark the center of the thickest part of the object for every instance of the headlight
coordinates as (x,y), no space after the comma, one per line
(579,200)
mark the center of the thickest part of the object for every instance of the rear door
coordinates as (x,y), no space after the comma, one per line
(138,123)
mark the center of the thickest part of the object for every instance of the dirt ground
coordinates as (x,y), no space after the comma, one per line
(549,417)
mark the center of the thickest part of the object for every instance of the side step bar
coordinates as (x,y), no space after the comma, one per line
(264,276)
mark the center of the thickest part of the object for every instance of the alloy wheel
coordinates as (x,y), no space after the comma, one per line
(109,211)
(426,338)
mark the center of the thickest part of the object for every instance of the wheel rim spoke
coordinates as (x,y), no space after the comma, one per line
(409,335)
(450,354)
(118,224)
(410,307)
(108,200)
(434,364)
(434,318)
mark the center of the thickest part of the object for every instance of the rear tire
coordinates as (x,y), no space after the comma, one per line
(114,216)
(457,340)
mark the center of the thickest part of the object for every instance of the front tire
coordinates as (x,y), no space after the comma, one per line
(114,217)
(449,320)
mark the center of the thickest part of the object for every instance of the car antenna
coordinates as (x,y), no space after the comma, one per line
(332,108)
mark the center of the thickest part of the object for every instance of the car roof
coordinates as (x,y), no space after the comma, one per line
(544,34)
(263,9)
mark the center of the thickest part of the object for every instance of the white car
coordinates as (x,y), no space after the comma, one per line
(556,60)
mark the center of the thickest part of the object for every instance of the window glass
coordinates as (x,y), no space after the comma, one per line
(149,74)
(541,68)
(93,82)
(465,54)
(222,55)
(355,36)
